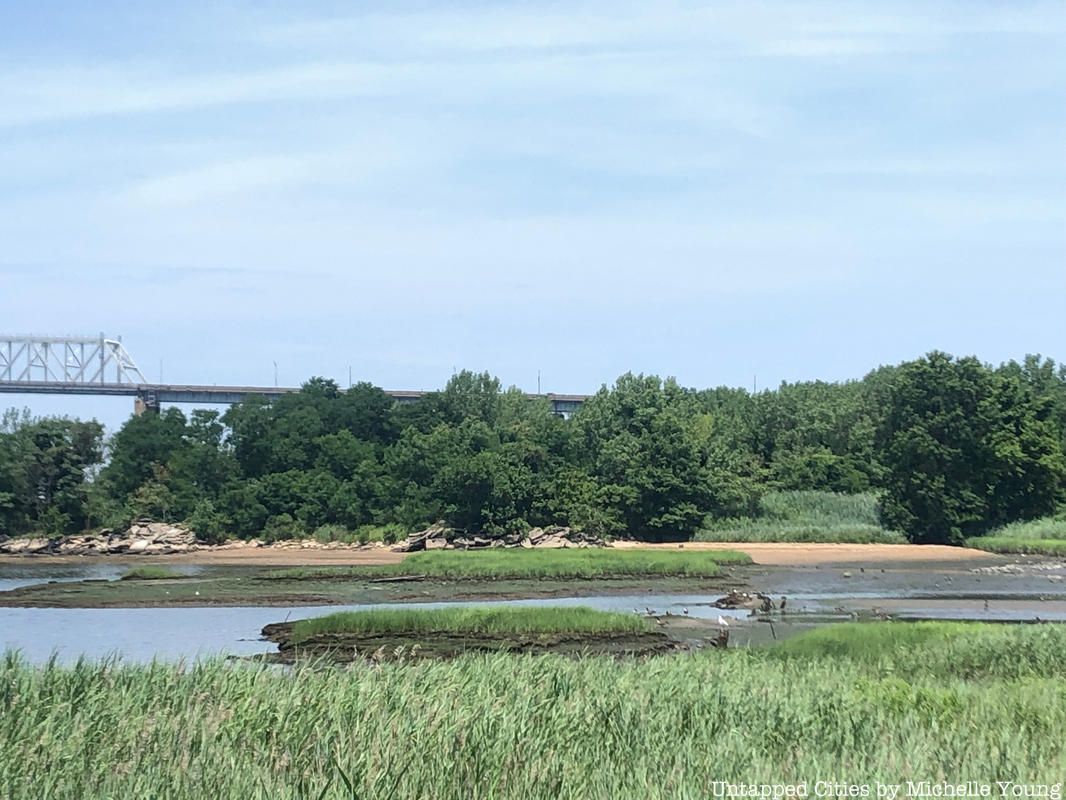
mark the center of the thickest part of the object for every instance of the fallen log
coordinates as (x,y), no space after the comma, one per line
(398,579)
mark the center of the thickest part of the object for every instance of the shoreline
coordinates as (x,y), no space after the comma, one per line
(769,554)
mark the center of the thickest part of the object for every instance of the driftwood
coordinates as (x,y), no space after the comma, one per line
(399,579)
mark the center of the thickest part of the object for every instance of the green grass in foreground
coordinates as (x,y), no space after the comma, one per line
(149,573)
(861,703)
(1045,536)
(582,564)
(807,517)
(471,620)
(942,649)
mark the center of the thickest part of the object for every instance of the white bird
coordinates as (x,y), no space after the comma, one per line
(723,621)
(684,610)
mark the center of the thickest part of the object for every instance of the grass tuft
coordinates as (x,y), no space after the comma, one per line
(497,621)
(149,573)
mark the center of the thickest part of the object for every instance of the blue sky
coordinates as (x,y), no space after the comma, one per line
(711,190)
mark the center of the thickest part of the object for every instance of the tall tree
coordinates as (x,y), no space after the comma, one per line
(965,449)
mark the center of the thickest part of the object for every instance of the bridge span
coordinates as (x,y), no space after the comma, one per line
(102,367)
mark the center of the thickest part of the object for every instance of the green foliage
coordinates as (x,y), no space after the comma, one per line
(806,516)
(641,443)
(1045,536)
(987,703)
(153,499)
(965,449)
(943,649)
(1016,544)
(472,620)
(584,564)
(953,447)
(207,523)
(44,469)
(149,573)
(282,527)
(1043,528)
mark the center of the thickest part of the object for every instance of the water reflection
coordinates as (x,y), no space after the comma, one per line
(141,634)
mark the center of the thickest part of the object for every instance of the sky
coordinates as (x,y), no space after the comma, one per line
(731,193)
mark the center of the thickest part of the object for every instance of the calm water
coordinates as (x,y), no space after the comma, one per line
(142,634)
(12,576)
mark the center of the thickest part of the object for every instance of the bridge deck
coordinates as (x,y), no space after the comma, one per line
(187,393)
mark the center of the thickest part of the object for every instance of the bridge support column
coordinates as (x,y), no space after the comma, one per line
(145,401)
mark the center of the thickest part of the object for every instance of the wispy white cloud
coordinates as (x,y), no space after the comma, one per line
(46,94)
(650,175)
(221,180)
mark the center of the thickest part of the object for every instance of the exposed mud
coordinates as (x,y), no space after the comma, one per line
(232,587)
(351,647)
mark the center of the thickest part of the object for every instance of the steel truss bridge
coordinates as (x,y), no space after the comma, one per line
(101,366)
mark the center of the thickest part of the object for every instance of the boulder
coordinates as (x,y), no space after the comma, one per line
(417,541)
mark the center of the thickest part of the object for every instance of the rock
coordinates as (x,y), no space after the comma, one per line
(735,599)
(417,541)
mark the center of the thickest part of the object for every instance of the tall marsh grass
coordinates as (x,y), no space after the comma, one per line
(584,564)
(471,620)
(549,727)
(1045,536)
(806,516)
(519,564)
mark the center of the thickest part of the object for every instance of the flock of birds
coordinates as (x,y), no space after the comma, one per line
(722,621)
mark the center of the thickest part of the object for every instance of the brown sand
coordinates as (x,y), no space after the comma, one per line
(783,554)
(766,554)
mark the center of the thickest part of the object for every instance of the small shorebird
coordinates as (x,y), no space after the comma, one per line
(684,610)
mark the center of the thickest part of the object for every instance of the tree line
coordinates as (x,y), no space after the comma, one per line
(953,447)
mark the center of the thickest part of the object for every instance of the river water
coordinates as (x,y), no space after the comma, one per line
(144,634)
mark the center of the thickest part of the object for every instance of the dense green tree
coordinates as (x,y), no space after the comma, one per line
(964,449)
(141,447)
(953,446)
(644,451)
(45,470)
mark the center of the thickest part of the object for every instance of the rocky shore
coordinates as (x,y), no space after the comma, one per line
(441,537)
(144,538)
